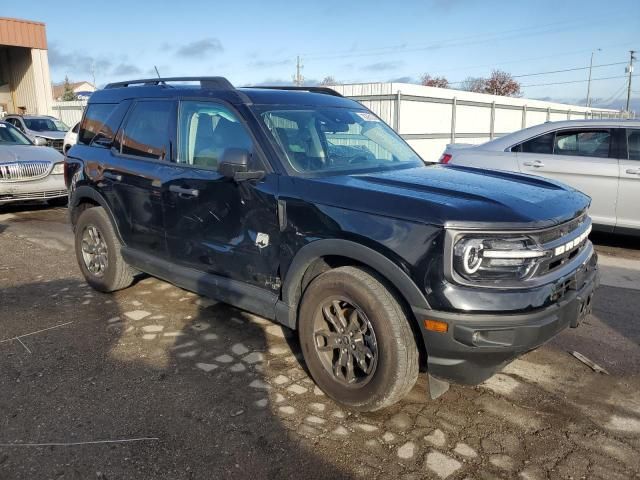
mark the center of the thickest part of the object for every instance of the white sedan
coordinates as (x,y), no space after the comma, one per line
(598,157)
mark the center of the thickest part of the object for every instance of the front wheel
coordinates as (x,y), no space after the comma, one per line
(356,339)
(98,252)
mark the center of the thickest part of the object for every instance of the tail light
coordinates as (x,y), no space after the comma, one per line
(446,158)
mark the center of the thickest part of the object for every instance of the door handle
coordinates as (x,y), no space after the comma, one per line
(633,171)
(112,176)
(535,164)
(184,192)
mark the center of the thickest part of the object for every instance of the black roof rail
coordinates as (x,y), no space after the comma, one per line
(323,90)
(209,83)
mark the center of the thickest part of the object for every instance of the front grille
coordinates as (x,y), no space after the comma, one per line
(57,144)
(560,236)
(20,171)
(34,195)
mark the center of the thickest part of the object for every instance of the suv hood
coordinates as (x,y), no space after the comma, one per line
(28,153)
(452,195)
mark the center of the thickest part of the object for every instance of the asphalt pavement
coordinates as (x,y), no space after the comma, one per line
(156,382)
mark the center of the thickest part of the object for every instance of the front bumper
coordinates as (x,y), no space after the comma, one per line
(475,346)
(51,186)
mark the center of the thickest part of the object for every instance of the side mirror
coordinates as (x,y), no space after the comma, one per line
(39,142)
(234,164)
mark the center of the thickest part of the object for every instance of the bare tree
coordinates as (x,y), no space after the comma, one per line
(329,80)
(474,84)
(502,83)
(428,81)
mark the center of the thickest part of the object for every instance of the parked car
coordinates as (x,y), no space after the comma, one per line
(70,138)
(27,171)
(383,264)
(48,128)
(598,157)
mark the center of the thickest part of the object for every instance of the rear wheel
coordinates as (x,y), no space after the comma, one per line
(356,339)
(98,252)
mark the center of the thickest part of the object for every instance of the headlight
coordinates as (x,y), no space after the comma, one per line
(487,259)
(58,169)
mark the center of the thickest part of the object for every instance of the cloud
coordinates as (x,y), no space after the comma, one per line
(391,65)
(270,63)
(200,48)
(124,69)
(76,61)
(279,82)
(403,80)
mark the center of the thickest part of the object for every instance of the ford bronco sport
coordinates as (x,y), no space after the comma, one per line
(304,207)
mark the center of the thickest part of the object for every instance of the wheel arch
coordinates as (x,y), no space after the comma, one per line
(86,197)
(308,263)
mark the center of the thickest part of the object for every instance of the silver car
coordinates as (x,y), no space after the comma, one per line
(27,171)
(598,157)
(44,127)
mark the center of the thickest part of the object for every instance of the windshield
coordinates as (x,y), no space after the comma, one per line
(9,135)
(45,125)
(326,140)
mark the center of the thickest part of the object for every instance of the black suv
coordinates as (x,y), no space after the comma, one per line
(304,207)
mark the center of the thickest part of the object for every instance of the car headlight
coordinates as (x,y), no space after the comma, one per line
(489,258)
(58,169)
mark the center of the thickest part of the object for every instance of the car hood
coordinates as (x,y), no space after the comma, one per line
(48,134)
(27,153)
(452,196)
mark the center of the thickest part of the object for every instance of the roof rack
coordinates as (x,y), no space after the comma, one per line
(209,83)
(323,90)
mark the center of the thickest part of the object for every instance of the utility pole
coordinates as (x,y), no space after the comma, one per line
(298,79)
(630,69)
(589,83)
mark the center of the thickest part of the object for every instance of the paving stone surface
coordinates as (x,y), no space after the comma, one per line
(228,390)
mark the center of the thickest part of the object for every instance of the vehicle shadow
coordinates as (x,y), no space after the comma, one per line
(177,383)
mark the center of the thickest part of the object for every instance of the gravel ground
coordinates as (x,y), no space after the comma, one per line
(184,387)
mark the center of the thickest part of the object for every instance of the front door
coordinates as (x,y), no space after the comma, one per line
(629,191)
(214,224)
(582,158)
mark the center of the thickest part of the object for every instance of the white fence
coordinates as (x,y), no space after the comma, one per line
(429,118)
(69,112)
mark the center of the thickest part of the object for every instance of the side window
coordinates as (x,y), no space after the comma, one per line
(205,130)
(76,127)
(93,120)
(146,132)
(585,143)
(541,144)
(633,143)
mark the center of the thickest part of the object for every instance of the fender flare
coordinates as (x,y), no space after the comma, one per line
(85,192)
(291,291)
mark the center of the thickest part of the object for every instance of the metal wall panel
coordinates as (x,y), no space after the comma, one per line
(22,33)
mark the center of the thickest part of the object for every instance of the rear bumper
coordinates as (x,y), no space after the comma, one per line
(51,186)
(475,346)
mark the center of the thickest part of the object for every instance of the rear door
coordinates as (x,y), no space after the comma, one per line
(629,191)
(583,158)
(135,168)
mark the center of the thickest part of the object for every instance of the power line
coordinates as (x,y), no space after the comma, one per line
(574,81)
(568,70)
(575,69)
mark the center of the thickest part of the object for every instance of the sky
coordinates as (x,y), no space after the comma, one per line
(257,42)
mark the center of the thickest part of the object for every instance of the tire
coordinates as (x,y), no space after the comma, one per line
(116,274)
(393,371)
(58,202)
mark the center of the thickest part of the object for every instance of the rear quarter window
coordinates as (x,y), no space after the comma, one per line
(94,120)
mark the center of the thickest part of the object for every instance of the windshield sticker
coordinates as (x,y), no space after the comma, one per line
(367,117)
(2,125)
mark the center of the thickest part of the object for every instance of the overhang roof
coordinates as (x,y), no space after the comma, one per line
(22,33)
